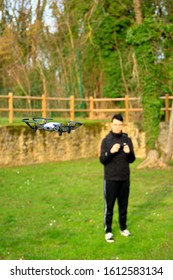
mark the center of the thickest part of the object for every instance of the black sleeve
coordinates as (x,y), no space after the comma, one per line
(105,154)
(131,156)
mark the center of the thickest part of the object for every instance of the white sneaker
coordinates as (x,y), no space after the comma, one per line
(109,237)
(125,232)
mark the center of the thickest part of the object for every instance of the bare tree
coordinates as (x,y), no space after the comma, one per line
(138,11)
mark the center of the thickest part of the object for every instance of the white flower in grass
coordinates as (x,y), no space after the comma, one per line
(52,222)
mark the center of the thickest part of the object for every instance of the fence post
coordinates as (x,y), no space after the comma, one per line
(10,107)
(72,108)
(127,108)
(166,108)
(44,105)
(91,108)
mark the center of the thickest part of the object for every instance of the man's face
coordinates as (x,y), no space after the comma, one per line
(116,126)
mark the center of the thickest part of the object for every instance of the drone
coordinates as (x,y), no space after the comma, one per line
(46,124)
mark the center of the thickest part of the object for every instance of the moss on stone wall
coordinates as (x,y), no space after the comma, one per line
(20,145)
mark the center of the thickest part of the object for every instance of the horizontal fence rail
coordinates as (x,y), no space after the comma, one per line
(91,107)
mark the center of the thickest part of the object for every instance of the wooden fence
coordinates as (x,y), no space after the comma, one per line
(92,107)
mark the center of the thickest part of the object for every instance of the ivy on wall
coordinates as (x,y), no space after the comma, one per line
(143,37)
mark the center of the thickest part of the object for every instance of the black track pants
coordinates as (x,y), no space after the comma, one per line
(115,190)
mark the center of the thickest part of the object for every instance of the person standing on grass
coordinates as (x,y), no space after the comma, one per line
(115,154)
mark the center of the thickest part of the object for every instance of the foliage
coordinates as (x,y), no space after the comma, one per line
(55,211)
(107,36)
(95,29)
(147,39)
(40,46)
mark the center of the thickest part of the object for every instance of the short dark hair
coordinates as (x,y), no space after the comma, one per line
(117,117)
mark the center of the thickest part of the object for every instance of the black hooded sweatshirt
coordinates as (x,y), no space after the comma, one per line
(116,166)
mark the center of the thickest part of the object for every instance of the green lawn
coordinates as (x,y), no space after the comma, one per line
(55,211)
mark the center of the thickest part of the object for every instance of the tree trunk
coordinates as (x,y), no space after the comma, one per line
(166,158)
(138,11)
(152,160)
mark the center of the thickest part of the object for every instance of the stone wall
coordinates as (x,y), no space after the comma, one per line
(21,146)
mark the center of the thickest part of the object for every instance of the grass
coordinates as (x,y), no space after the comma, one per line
(55,211)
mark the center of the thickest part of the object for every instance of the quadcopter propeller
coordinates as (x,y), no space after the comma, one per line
(40,119)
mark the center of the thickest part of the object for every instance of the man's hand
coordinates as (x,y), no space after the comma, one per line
(115,148)
(126,149)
